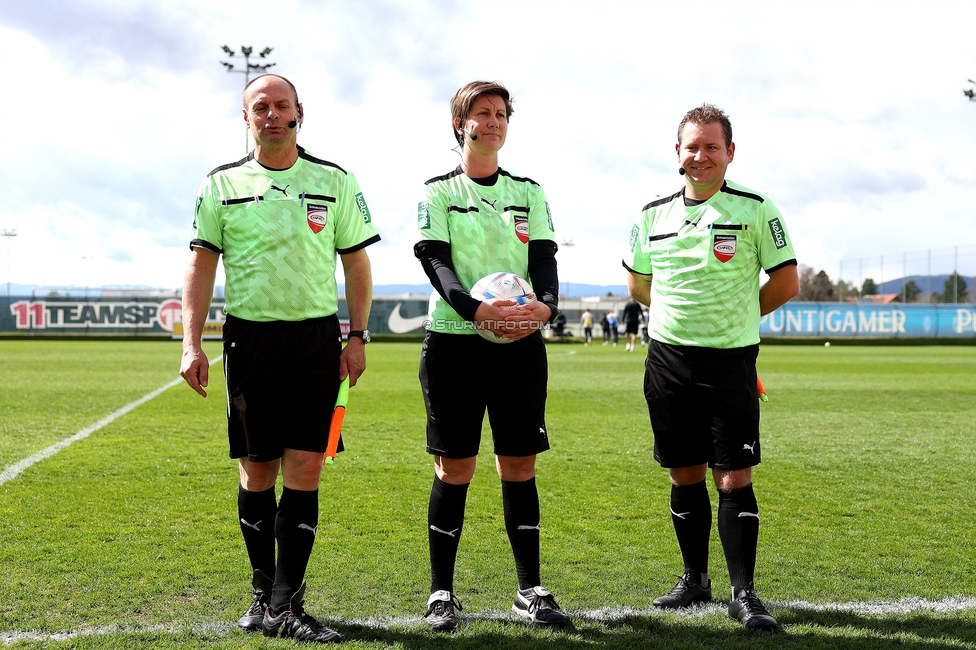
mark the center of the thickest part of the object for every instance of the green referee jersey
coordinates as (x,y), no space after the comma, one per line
(488,227)
(279,232)
(705,262)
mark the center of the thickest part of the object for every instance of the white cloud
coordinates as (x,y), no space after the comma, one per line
(850,118)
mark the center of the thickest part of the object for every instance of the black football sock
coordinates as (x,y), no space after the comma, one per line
(520,501)
(445,519)
(257,511)
(691,514)
(738,527)
(295,529)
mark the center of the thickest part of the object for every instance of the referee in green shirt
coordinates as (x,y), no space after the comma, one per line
(476,220)
(695,258)
(280,217)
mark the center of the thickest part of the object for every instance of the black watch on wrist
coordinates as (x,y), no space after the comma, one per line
(363,334)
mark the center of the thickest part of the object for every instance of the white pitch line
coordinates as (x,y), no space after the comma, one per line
(200,628)
(12,471)
(880,608)
(874,608)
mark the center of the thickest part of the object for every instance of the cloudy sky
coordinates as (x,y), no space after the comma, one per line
(849,115)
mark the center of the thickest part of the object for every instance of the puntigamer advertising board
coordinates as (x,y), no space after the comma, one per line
(859,320)
(408,315)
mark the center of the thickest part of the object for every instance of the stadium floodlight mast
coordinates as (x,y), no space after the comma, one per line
(570,243)
(8,234)
(258,68)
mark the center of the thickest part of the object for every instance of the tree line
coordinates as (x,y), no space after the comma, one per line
(818,287)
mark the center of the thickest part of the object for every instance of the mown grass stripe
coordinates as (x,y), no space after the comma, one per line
(13,471)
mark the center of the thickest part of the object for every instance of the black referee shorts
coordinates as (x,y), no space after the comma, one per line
(282,382)
(463,375)
(704,405)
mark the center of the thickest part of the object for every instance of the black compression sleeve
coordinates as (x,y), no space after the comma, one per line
(435,257)
(543,275)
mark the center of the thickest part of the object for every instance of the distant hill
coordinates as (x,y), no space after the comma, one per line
(566,289)
(934,283)
(396,289)
(38,291)
(574,290)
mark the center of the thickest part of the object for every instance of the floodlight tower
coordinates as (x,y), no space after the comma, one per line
(249,67)
(8,234)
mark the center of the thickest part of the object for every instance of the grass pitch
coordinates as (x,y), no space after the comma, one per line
(129,539)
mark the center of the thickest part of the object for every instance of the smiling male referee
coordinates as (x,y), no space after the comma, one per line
(279,217)
(704,247)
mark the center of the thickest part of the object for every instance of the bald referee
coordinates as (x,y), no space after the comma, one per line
(279,217)
(704,247)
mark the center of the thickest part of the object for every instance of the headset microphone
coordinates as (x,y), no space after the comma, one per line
(681,170)
(471,135)
(293,124)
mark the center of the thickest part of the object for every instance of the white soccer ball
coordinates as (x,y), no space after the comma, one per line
(502,285)
(826,344)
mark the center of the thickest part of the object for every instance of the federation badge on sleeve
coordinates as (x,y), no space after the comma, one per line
(522,227)
(724,247)
(318,216)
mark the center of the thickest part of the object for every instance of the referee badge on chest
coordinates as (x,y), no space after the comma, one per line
(318,216)
(522,227)
(724,247)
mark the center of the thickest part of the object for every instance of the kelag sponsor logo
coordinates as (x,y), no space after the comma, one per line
(779,237)
(363,209)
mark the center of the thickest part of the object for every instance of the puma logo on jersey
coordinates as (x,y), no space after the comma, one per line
(307,527)
(283,191)
(751,448)
(444,532)
(491,203)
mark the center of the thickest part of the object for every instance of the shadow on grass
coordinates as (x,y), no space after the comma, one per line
(800,629)
(935,629)
(704,628)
